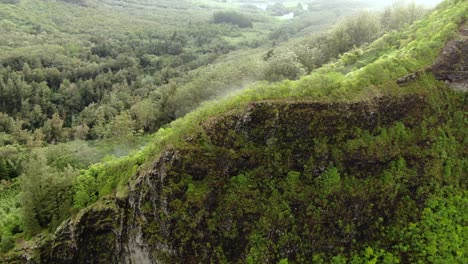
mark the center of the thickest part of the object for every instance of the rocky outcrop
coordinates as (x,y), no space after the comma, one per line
(95,235)
(196,203)
(180,210)
(452,64)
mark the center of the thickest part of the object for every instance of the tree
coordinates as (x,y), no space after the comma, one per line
(76,2)
(53,129)
(278,9)
(283,65)
(53,77)
(45,194)
(401,14)
(27,72)
(80,132)
(122,125)
(174,45)
(233,18)
(146,115)
(354,31)
(11,157)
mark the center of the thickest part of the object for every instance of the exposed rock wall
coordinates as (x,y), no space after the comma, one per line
(452,64)
(163,221)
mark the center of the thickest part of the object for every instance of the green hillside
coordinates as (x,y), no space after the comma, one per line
(361,159)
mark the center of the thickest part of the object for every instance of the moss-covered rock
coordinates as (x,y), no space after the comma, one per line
(375,180)
(95,235)
(274,180)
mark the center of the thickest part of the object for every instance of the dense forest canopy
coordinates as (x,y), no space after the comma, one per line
(75,75)
(85,83)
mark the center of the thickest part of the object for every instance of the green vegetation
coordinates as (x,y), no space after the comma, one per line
(234,18)
(62,79)
(137,81)
(10,216)
(387,197)
(47,176)
(90,70)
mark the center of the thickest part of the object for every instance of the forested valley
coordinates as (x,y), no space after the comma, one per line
(94,92)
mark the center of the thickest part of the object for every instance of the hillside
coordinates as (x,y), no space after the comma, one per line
(361,161)
(83,83)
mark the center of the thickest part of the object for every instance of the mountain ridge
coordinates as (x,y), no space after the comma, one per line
(348,172)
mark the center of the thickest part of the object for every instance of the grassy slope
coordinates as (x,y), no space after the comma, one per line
(394,55)
(369,75)
(372,74)
(35,27)
(67,35)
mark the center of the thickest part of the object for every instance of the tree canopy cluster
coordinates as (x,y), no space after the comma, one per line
(232,17)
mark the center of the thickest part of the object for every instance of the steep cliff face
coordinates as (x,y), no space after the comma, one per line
(208,200)
(95,235)
(184,207)
(286,179)
(452,64)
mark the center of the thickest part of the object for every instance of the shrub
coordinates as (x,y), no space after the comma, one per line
(233,18)
(6,243)
(283,66)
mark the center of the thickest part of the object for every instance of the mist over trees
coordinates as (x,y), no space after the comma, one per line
(350,34)
(128,85)
(88,82)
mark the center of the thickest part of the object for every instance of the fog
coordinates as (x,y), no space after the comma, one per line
(383,3)
(375,3)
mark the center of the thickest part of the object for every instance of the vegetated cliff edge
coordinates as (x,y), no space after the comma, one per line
(276,180)
(296,180)
(189,207)
(452,64)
